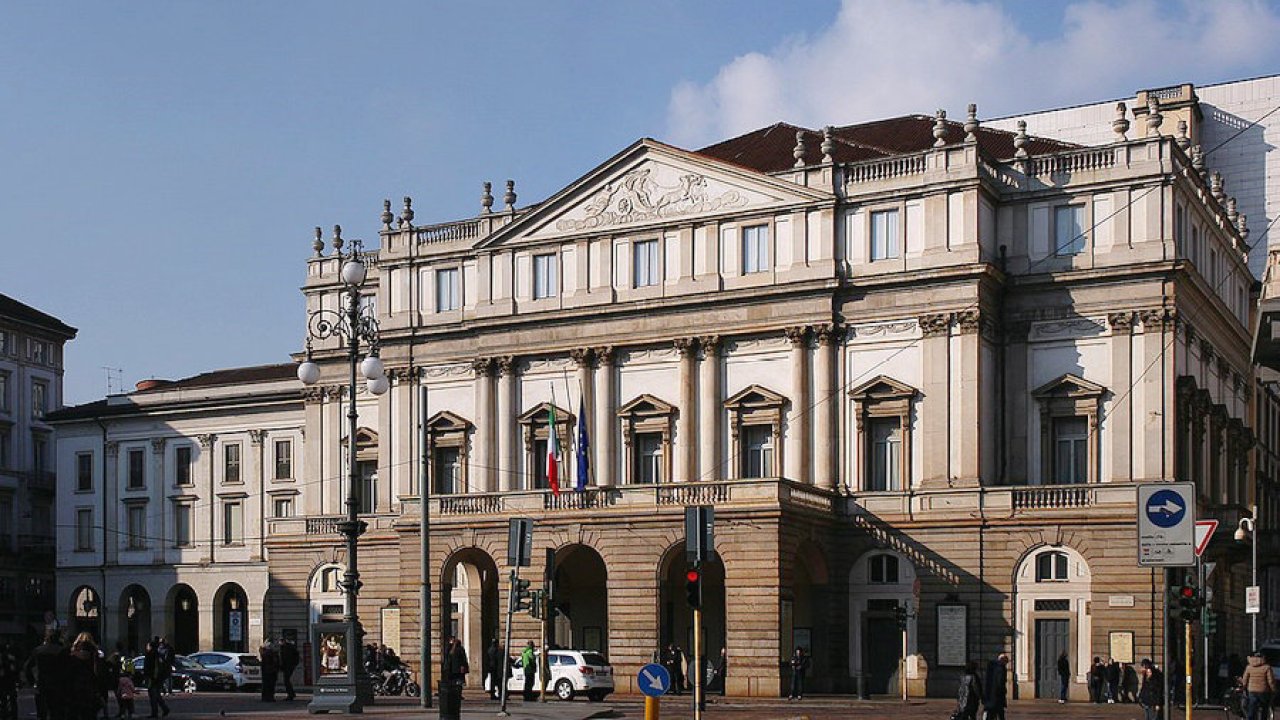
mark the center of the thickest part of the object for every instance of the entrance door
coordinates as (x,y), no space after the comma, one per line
(882,655)
(1052,637)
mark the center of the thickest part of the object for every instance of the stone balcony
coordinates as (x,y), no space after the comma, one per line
(1035,502)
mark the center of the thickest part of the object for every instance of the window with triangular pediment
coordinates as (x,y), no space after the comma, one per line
(882,415)
(447,453)
(646,436)
(755,430)
(1069,407)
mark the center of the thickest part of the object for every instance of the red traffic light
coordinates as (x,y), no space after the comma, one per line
(1188,591)
(692,576)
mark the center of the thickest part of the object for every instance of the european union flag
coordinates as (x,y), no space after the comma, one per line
(584,445)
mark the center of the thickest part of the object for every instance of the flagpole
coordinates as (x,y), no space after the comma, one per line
(582,405)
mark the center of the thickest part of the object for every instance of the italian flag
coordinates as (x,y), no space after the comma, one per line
(553,452)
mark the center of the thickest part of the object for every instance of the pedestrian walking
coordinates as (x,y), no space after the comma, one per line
(84,671)
(125,692)
(493,658)
(43,672)
(288,664)
(673,661)
(1113,680)
(269,662)
(969,694)
(996,698)
(1064,676)
(528,659)
(1151,694)
(1097,680)
(721,670)
(166,656)
(1259,685)
(456,663)
(799,668)
(156,670)
(9,677)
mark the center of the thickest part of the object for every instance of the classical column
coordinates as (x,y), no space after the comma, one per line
(606,406)
(796,458)
(486,423)
(935,410)
(685,463)
(508,470)
(824,415)
(1120,420)
(582,359)
(709,410)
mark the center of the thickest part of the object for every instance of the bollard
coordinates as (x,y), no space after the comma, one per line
(450,700)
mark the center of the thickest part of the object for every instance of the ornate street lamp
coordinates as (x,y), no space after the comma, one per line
(343,683)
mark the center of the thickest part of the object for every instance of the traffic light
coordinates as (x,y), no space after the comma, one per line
(1210,621)
(536,603)
(521,598)
(900,614)
(1189,602)
(693,587)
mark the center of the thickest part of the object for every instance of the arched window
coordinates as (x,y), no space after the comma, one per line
(882,570)
(1051,567)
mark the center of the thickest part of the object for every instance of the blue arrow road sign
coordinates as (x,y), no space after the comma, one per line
(654,680)
(1166,508)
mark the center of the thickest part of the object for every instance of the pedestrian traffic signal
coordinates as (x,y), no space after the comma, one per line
(521,598)
(537,603)
(693,587)
(1210,621)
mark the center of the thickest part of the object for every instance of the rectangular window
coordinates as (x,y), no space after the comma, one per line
(6,524)
(5,448)
(282,507)
(137,469)
(755,249)
(4,392)
(84,529)
(648,458)
(84,471)
(182,465)
(6,343)
(448,290)
(886,454)
(368,470)
(448,470)
(136,518)
(1071,451)
(284,459)
(40,352)
(884,235)
(182,524)
(39,399)
(39,451)
(1195,244)
(540,481)
(1068,229)
(231,463)
(646,270)
(758,444)
(232,523)
(545,281)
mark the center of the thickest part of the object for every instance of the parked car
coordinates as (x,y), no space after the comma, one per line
(572,672)
(243,667)
(188,676)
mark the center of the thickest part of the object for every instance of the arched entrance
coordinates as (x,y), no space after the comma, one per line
(184,619)
(326,599)
(135,617)
(86,609)
(468,605)
(804,613)
(231,619)
(676,617)
(581,600)
(1052,587)
(880,582)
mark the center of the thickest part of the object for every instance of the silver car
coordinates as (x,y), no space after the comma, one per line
(244,667)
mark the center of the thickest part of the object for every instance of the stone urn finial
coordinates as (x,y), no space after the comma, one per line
(939,128)
(318,243)
(1121,124)
(509,197)
(406,213)
(337,238)
(387,215)
(486,199)
(971,124)
(1183,140)
(828,143)
(1154,118)
(798,151)
(1215,185)
(1020,141)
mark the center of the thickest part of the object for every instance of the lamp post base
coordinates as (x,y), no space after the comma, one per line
(342,685)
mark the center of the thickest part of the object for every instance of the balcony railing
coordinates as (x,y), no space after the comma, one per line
(1050,497)
(323,525)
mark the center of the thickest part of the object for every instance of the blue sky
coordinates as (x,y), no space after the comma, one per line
(164,162)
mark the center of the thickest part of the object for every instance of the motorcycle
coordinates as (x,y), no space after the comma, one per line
(396,681)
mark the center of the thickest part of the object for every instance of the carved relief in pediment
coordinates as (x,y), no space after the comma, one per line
(651,192)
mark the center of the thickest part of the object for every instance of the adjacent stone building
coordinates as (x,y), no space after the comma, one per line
(31,368)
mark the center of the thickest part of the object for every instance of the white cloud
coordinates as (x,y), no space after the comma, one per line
(881,58)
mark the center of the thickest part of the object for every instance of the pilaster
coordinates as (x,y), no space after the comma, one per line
(824,407)
(710,411)
(685,460)
(507,468)
(605,461)
(1120,420)
(935,410)
(797,427)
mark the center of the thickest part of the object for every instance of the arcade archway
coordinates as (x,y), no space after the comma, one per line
(581,600)
(231,618)
(675,620)
(135,617)
(468,604)
(86,609)
(183,628)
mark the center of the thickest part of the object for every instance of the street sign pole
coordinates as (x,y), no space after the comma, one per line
(506,648)
(653,680)
(697,665)
(1186,697)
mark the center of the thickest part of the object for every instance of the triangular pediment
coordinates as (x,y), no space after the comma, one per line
(445,421)
(538,414)
(646,405)
(882,387)
(1069,385)
(651,184)
(755,396)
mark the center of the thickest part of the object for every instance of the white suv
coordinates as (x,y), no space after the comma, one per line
(244,667)
(572,672)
